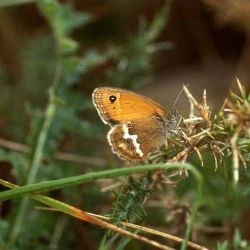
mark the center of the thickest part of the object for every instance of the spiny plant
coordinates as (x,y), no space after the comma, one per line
(218,144)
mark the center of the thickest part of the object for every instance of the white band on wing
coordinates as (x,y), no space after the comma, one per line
(133,138)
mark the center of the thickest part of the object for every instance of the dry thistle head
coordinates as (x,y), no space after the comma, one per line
(218,134)
(189,132)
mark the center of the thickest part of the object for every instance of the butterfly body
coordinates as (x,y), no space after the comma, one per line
(138,124)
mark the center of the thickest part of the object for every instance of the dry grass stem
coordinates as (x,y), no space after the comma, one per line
(154,232)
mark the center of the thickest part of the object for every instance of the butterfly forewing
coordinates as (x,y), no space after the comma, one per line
(117,105)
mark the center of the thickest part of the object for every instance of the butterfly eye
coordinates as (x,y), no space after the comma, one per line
(112,98)
(132,148)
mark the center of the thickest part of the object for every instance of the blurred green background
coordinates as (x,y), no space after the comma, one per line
(149,46)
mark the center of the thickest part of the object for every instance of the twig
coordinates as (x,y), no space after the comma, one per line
(14,146)
(202,110)
(59,155)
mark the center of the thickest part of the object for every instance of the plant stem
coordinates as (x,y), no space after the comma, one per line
(195,208)
(92,176)
(38,153)
(33,170)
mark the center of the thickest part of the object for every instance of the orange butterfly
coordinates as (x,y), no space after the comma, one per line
(139,125)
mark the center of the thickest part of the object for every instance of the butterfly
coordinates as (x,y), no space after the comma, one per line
(139,125)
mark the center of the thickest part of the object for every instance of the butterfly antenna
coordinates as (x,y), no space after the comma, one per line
(172,125)
(174,110)
(177,98)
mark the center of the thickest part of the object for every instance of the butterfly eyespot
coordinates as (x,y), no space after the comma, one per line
(129,125)
(128,141)
(132,148)
(112,98)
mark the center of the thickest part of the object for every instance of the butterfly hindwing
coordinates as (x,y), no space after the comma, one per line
(134,140)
